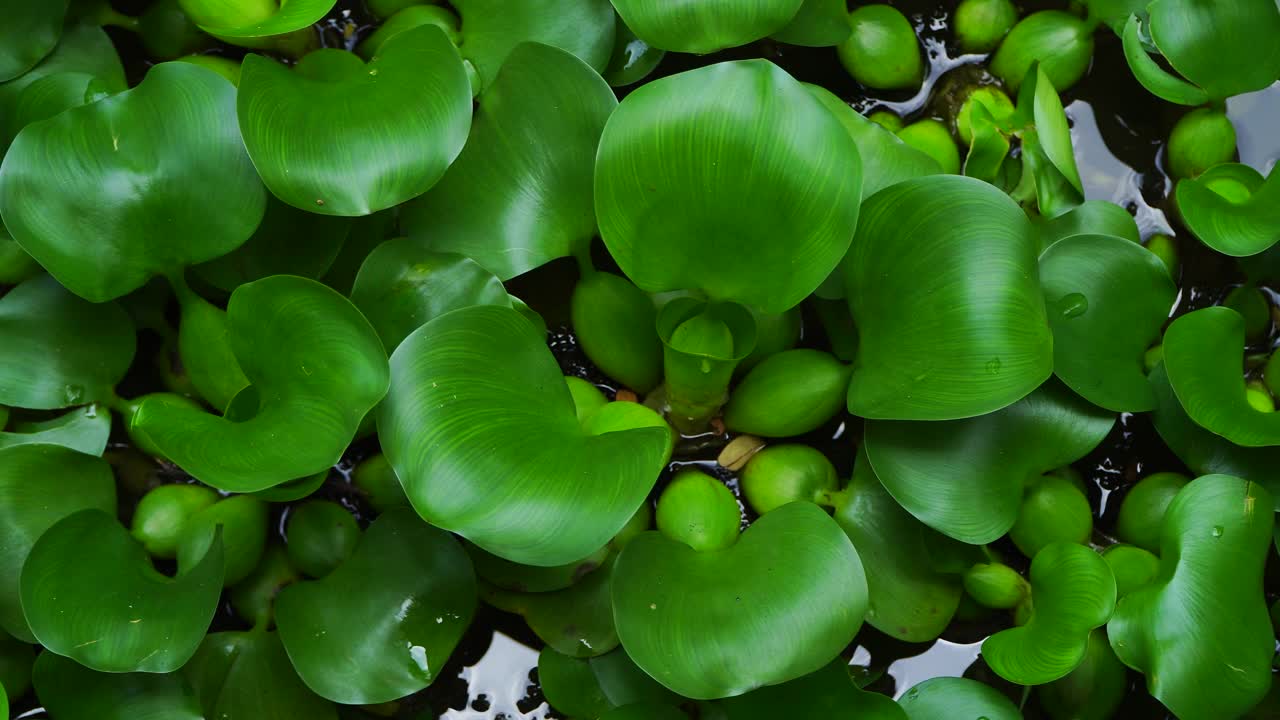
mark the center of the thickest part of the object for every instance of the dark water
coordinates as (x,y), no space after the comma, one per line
(1119,132)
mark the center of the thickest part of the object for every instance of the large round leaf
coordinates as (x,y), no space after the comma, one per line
(907,598)
(40,485)
(965,478)
(70,691)
(317,368)
(85,430)
(1200,631)
(828,693)
(1225,48)
(388,131)
(90,593)
(779,604)
(1092,217)
(247,676)
(945,698)
(127,191)
(705,26)
(30,32)
(1072,592)
(1232,225)
(1108,299)
(482,432)
(491,29)
(943,286)
(520,194)
(1203,353)
(383,624)
(715,178)
(59,350)
(402,285)
(83,48)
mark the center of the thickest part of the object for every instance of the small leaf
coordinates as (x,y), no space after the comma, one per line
(1092,217)
(85,430)
(247,676)
(291,15)
(71,691)
(91,594)
(818,23)
(1157,80)
(827,693)
(1094,689)
(576,621)
(482,431)
(84,48)
(945,698)
(705,26)
(491,30)
(1232,209)
(793,569)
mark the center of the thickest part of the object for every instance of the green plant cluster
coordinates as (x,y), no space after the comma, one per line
(219,278)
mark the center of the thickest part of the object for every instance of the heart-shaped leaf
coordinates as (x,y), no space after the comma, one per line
(30,32)
(192,193)
(942,283)
(382,625)
(388,132)
(90,593)
(247,676)
(576,621)
(71,691)
(40,485)
(491,30)
(1201,632)
(965,478)
(944,698)
(59,350)
(287,242)
(1232,209)
(1108,299)
(793,571)
(532,148)
(85,430)
(1203,359)
(284,17)
(317,368)
(1202,451)
(818,23)
(482,431)
(701,173)
(1224,48)
(1072,592)
(402,285)
(1092,217)
(827,693)
(705,26)
(84,48)
(907,598)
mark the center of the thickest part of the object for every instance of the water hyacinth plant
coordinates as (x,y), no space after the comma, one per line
(701,360)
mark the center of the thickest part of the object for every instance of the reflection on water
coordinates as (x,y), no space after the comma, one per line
(1106,177)
(943,659)
(499,682)
(1254,116)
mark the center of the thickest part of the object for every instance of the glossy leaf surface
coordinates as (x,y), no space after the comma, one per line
(942,283)
(1224,48)
(491,29)
(84,48)
(700,174)
(771,577)
(287,242)
(1226,221)
(532,149)
(483,434)
(289,15)
(818,23)
(192,193)
(85,430)
(943,698)
(705,26)
(828,693)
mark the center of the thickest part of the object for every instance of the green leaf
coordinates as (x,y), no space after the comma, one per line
(793,571)
(90,593)
(1225,48)
(532,149)
(16,659)
(944,698)
(965,478)
(604,682)
(1059,41)
(1243,219)
(1203,357)
(382,625)
(491,30)
(40,485)
(287,242)
(705,26)
(1152,76)
(247,676)
(71,691)
(1072,592)
(389,130)
(84,430)
(46,97)
(1092,217)
(699,174)
(943,287)
(615,323)
(291,15)
(1094,690)
(482,431)
(317,368)
(576,621)
(1052,129)
(191,194)
(1108,298)
(84,49)
(818,23)
(827,693)
(989,146)
(30,32)
(59,350)
(402,285)
(632,60)
(908,599)
(1201,631)
(205,351)
(1202,451)
(506,575)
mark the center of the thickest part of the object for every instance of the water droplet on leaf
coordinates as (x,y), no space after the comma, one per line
(993,366)
(1217,531)
(1073,305)
(73,393)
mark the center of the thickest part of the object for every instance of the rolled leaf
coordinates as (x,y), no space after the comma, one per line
(1226,49)
(1232,209)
